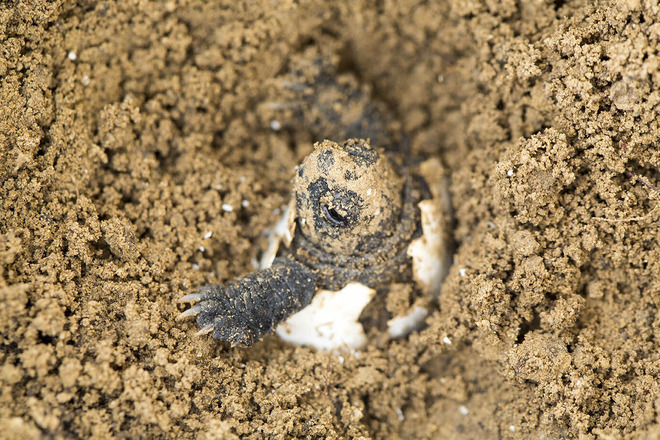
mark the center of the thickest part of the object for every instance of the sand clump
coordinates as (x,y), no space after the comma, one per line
(116,162)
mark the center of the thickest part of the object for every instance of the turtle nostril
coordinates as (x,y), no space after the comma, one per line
(333,216)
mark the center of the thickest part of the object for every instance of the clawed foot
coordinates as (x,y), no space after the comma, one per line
(243,311)
(199,297)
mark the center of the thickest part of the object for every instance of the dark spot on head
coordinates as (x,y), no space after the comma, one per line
(326,160)
(301,199)
(315,189)
(361,153)
(350,175)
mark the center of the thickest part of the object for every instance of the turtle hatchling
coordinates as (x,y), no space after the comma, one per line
(362,216)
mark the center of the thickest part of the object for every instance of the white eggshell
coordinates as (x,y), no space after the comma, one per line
(330,321)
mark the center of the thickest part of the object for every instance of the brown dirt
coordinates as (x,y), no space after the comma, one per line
(114,167)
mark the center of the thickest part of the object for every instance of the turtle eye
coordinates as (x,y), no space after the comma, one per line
(333,216)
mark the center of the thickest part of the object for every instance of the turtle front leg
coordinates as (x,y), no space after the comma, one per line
(243,311)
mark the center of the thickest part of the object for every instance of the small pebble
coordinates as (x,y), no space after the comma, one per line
(72,56)
(463,410)
(446,340)
(227,207)
(208,235)
(509,173)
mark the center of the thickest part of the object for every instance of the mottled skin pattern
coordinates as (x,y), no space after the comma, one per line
(355,208)
(355,229)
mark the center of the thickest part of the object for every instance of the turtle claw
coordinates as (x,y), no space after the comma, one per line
(192,297)
(205,330)
(193,311)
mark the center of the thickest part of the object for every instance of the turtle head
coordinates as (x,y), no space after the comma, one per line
(348,197)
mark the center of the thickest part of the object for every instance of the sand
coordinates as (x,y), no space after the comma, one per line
(139,159)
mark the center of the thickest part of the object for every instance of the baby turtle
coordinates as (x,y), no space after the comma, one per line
(353,217)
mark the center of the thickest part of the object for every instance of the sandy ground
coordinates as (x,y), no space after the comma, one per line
(125,128)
